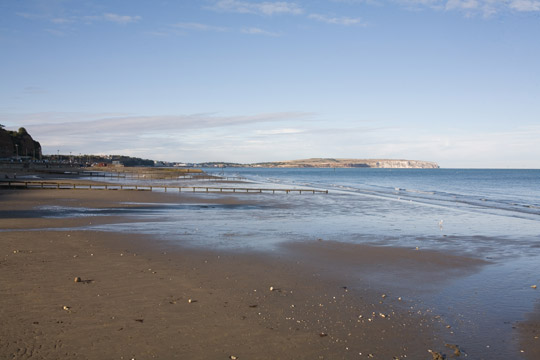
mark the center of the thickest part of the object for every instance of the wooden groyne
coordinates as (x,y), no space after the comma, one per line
(81,186)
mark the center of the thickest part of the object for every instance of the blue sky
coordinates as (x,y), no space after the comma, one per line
(451,81)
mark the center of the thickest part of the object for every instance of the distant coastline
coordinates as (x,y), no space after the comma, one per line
(336,163)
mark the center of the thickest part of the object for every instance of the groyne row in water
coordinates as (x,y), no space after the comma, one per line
(81,186)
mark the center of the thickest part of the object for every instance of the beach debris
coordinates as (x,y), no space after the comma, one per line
(191,301)
(77,279)
(457,351)
(436,355)
(232,357)
(533,286)
(253,306)
(441,224)
(67,308)
(384,296)
(139,320)
(271,288)
(323,334)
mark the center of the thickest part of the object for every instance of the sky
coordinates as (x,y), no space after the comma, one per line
(451,81)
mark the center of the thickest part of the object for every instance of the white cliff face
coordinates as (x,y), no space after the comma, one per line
(405,164)
(357,163)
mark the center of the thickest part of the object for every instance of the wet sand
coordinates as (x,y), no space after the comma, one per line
(141,298)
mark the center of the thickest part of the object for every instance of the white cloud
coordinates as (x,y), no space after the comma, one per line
(62,21)
(121,19)
(483,7)
(525,5)
(31,16)
(34,90)
(155,124)
(433,4)
(462,4)
(257,31)
(131,134)
(347,21)
(279,132)
(56,32)
(261,8)
(199,27)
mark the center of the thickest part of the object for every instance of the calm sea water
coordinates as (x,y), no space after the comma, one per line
(488,214)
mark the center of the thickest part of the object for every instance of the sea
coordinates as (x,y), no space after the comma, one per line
(487,214)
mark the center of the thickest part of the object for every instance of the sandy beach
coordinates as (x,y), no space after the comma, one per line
(137,297)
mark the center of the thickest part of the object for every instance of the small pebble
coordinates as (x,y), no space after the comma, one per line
(77,279)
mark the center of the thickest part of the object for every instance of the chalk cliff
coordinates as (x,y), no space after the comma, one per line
(353,163)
